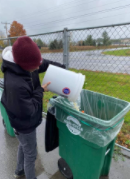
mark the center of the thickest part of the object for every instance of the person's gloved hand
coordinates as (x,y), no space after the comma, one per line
(45,86)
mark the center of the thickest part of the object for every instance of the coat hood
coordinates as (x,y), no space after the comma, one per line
(7,54)
(9,64)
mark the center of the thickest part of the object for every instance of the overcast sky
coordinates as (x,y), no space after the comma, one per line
(39,16)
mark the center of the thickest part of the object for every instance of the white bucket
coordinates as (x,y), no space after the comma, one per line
(64,82)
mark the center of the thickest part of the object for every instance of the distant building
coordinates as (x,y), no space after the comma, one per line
(125,40)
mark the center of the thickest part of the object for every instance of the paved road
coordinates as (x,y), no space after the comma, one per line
(94,60)
(46,163)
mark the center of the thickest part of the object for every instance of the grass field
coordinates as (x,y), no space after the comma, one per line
(116,85)
(79,48)
(125,52)
(87,48)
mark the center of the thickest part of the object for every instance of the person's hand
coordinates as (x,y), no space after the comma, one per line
(45,86)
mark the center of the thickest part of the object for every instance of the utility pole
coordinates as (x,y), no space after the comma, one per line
(6,27)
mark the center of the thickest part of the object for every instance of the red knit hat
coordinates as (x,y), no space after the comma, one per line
(26,53)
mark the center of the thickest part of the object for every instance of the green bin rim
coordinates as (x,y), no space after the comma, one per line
(102,122)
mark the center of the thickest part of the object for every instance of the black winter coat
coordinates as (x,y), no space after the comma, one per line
(23,94)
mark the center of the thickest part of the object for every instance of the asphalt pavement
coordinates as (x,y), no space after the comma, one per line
(94,60)
(46,163)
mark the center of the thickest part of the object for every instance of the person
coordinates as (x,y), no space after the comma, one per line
(22,98)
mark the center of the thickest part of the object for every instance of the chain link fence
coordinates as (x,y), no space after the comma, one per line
(102,54)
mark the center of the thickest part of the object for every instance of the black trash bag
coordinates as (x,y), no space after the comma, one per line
(51,131)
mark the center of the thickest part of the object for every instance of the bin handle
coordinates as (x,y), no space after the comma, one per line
(107,151)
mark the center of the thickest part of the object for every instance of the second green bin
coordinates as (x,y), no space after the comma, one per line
(4,114)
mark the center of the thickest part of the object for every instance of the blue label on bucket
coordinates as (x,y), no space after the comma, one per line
(66,91)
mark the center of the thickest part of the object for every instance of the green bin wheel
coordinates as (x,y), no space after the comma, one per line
(65,169)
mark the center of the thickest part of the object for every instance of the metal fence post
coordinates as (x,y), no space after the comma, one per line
(9,41)
(66,48)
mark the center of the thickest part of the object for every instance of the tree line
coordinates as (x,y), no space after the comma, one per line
(89,41)
(55,44)
(17,29)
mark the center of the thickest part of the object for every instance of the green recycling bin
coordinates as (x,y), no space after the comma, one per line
(5,120)
(86,140)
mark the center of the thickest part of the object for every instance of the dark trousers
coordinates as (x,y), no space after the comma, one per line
(27,152)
